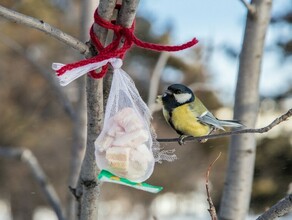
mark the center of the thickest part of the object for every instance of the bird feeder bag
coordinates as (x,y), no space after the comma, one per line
(124,146)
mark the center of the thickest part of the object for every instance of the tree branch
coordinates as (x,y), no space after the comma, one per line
(155,79)
(44,27)
(212,209)
(86,9)
(27,157)
(281,208)
(60,94)
(277,121)
(88,186)
(251,8)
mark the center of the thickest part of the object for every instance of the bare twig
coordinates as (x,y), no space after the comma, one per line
(277,121)
(27,157)
(155,78)
(281,208)
(127,13)
(44,27)
(212,209)
(251,8)
(60,94)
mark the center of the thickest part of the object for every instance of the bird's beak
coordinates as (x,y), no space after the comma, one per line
(159,99)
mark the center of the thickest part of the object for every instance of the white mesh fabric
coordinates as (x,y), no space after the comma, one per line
(113,152)
(158,152)
(127,120)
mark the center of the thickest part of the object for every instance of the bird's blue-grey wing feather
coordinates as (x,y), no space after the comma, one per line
(209,119)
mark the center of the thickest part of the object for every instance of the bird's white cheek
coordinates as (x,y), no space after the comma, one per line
(182,98)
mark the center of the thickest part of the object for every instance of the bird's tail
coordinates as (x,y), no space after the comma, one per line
(230,123)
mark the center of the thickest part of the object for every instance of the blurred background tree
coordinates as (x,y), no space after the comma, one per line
(281,21)
(275,153)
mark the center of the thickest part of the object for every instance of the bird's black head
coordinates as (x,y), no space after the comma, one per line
(176,95)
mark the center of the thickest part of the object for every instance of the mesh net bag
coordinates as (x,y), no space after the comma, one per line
(127,145)
(124,146)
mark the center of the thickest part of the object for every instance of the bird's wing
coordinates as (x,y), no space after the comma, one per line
(209,119)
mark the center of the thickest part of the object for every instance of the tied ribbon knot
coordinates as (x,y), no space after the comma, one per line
(114,50)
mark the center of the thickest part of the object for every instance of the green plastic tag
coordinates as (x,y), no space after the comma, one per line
(106,176)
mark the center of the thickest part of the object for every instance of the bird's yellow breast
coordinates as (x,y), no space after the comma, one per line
(184,119)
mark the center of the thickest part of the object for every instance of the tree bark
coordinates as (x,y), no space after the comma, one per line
(94,90)
(95,108)
(79,125)
(280,209)
(237,190)
(125,18)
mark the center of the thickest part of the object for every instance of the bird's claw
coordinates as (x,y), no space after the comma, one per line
(181,140)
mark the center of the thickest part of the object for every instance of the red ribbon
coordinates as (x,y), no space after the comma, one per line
(113,50)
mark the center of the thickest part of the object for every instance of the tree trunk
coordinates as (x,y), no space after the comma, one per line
(79,125)
(94,90)
(95,105)
(238,183)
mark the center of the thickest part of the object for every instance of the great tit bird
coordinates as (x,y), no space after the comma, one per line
(188,116)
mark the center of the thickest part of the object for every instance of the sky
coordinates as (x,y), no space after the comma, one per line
(218,22)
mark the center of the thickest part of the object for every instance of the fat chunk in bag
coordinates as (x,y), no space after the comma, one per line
(124,146)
